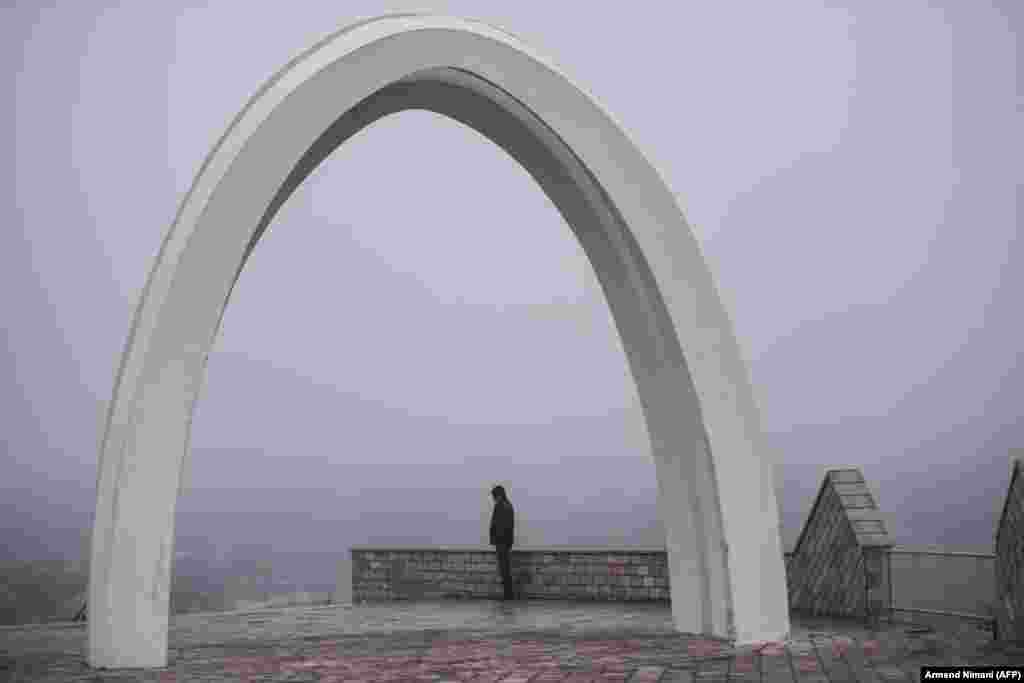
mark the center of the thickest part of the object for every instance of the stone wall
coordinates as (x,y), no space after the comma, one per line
(1010,560)
(471,572)
(839,565)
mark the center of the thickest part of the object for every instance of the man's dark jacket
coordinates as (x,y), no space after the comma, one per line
(502,523)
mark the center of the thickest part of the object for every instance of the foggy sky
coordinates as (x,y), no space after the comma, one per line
(419,322)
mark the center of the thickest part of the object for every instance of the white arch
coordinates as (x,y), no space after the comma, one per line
(715,484)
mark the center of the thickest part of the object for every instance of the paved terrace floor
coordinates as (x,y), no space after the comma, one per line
(480,641)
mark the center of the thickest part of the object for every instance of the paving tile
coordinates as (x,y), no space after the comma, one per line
(647,674)
(776,666)
(678,676)
(859,660)
(534,641)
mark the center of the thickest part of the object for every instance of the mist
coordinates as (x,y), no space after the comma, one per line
(419,324)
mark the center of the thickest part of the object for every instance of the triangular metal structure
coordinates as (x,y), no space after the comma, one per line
(1009,598)
(838,565)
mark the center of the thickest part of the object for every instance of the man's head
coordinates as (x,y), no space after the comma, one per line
(499,493)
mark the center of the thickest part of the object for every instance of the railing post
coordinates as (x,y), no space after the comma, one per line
(892,602)
(875,578)
(868,579)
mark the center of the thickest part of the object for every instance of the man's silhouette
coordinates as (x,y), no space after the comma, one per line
(502,534)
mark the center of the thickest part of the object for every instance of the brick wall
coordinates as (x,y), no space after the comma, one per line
(472,572)
(839,565)
(1010,560)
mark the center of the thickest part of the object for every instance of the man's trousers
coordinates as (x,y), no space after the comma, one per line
(505,567)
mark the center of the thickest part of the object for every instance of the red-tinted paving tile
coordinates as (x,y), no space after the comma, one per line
(647,674)
(704,648)
(744,663)
(772,649)
(387,655)
(807,663)
(517,677)
(745,667)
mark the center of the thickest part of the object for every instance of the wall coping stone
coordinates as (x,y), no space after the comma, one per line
(895,549)
(938,550)
(516,548)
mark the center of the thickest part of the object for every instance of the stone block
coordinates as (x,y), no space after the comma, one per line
(851,490)
(868,526)
(846,476)
(855,501)
(874,539)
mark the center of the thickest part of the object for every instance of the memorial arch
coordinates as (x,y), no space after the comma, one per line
(715,483)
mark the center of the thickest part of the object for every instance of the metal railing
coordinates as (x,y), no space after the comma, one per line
(919,589)
(933,582)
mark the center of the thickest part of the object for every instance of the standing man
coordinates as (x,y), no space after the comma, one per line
(502,534)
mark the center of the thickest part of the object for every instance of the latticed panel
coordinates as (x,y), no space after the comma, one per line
(1010,561)
(827,572)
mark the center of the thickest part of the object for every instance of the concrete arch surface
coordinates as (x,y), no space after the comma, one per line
(715,483)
